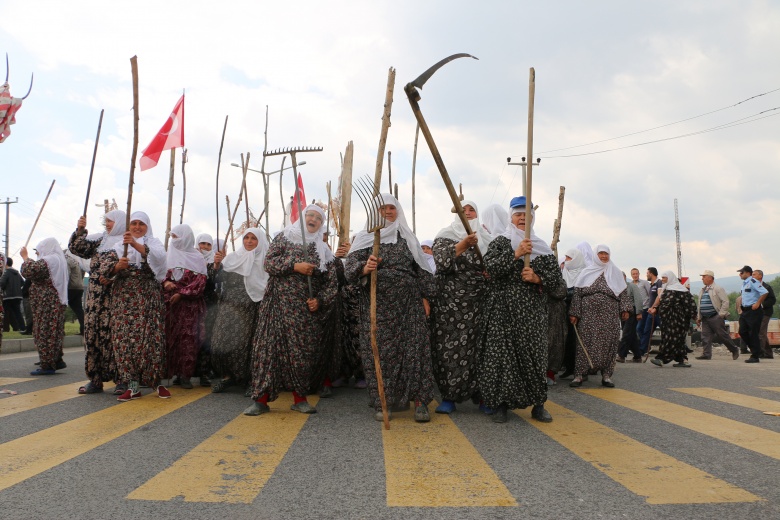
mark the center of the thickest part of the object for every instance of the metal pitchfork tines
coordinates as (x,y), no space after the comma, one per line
(375,221)
(293,151)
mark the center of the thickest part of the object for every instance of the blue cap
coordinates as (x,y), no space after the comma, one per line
(517,202)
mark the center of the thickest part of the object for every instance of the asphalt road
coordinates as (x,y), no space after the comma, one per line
(666,443)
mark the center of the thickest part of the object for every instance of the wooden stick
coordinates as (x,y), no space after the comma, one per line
(219,161)
(395,190)
(134,70)
(184,186)
(414,167)
(244,169)
(229,233)
(345,195)
(281,193)
(530,161)
(389,171)
(92,168)
(39,214)
(380,153)
(374,345)
(170,196)
(557,226)
(266,181)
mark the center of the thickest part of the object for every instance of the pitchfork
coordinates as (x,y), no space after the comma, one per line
(292,152)
(375,221)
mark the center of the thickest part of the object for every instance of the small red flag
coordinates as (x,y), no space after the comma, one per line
(171,135)
(298,193)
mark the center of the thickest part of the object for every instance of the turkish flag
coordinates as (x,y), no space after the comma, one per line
(171,135)
(298,193)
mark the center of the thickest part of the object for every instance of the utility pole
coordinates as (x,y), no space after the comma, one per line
(523,164)
(7,203)
(677,237)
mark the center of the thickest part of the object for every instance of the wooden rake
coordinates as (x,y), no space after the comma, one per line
(375,222)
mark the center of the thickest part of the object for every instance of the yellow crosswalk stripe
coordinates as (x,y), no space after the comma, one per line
(643,470)
(234,464)
(434,465)
(13,380)
(772,388)
(35,453)
(746,436)
(747,401)
(38,398)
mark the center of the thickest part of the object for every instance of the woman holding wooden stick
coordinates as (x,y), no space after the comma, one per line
(405,284)
(48,298)
(137,309)
(99,363)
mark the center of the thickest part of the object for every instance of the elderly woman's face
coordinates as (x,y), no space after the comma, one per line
(427,250)
(389,211)
(204,246)
(664,279)
(518,220)
(138,228)
(603,256)
(470,212)
(250,241)
(109,225)
(313,221)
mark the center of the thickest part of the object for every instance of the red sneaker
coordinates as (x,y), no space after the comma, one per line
(163,393)
(129,395)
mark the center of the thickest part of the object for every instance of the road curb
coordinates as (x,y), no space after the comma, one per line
(15,346)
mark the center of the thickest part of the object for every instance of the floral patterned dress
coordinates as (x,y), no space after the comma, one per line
(403,335)
(99,363)
(351,364)
(598,311)
(184,322)
(231,343)
(290,346)
(677,309)
(48,313)
(513,367)
(457,315)
(137,323)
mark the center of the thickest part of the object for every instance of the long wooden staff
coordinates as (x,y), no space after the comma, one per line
(244,169)
(216,190)
(229,233)
(171,173)
(345,195)
(92,168)
(134,70)
(557,226)
(281,193)
(266,182)
(39,214)
(530,155)
(579,339)
(414,167)
(184,185)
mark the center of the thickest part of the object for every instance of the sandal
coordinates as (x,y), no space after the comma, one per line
(90,388)
(120,389)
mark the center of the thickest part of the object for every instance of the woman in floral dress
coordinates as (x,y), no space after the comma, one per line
(137,309)
(405,284)
(600,302)
(205,244)
(290,344)
(185,309)
(243,279)
(48,298)
(457,308)
(99,363)
(677,308)
(514,339)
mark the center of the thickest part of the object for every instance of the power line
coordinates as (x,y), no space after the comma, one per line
(731,124)
(662,126)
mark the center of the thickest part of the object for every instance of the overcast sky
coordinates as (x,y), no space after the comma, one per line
(603,70)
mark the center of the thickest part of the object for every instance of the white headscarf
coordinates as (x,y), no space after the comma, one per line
(50,252)
(672,283)
(494,219)
(293,233)
(389,234)
(250,264)
(428,256)
(457,232)
(572,268)
(611,272)
(538,246)
(587,253)
(157,257)
(109,240)
(207,255)
(182,253)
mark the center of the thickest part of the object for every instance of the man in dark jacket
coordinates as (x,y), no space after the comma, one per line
(769,308)
(11,284)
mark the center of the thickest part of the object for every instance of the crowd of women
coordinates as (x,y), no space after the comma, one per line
(462,314)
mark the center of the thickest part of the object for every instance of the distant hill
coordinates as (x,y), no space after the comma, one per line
(729,283)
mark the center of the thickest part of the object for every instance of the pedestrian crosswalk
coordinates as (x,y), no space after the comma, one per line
(437,464)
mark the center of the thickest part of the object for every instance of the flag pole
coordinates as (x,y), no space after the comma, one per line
(183,185)
(134,71)
(170,195)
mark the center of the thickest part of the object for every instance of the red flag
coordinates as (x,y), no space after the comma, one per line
(298,193)
(171,135)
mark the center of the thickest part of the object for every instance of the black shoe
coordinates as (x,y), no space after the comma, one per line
(60,365)
(636,359)
(735,355)
(575,384)
(689,351)
(540,414)
(752,360)
(608,383)
(500,414)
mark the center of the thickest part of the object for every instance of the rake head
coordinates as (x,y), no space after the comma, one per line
(365,189)
(297,149)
